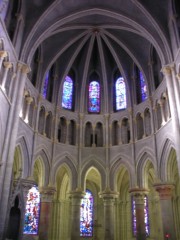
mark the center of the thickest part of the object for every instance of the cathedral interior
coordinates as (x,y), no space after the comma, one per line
(89,119)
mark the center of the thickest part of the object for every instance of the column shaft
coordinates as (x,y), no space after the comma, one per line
(109,215)
(45,212)
(75,197)
(165,193)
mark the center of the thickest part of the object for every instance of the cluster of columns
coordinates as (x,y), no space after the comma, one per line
(7,155)
(6,65)
(165,191)
(109,197)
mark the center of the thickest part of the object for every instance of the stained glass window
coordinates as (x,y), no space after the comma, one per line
(146,217)
(45,87)
(86,215)
(32,212)
(3,8)
(143,86)
(67,98)
(120,93)
(134,220)
(94,97)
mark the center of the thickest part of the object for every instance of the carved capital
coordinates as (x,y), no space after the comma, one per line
(3,54)
(108,194)
(7,64)
(26,185)
(29,100)
(81,116)
(47,194)
(165,190)
(139,194)
(76,195)
(106,116)
(166,70)
(25,69)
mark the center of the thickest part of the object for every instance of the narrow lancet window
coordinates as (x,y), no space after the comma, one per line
(86,215)
(94,97)
(143,87)
(45,87)
(32,212)
(67,98)
(120,93)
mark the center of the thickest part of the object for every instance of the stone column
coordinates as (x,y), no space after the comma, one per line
(29,101)
(144,125)
(7,66)
(44,127)
(165,191)
(3,54)
(47,194)
(56,125)
(176,86)
(75,197)
(162,112)
(12,83)
(109,197)
(67,135)
(131,125)
(174,110)
(23,105)
(93,138)
(7,156)
(138,196)
(135,129)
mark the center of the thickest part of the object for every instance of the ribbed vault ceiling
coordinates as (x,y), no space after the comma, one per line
(97,35)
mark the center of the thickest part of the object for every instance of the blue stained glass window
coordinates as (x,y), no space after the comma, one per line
(143,86)
(146,217)
(120,93)
(45,87)
(3,8)
(94,97)
(86,215)
(134,224)
(32,212)
(67,98)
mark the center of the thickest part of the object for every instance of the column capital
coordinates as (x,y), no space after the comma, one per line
(165,190)
(78,193)
(3,54)
(108,194)
(81,116)
(178,76)
(26,185)
(25,69)
(47,193)
(29,100)
(130,111)
(46,113)
(106,116)
(139,194)
(7,64)
(166,70)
